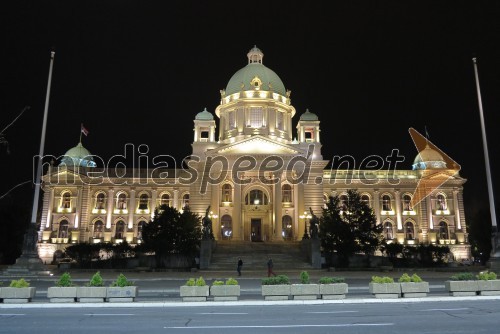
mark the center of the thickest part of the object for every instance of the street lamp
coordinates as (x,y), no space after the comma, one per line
(305,216)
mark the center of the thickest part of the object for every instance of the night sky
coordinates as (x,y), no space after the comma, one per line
(138,72)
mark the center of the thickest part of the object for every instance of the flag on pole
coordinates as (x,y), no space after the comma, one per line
(84,131)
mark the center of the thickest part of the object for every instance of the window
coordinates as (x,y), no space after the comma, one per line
(407,203)
(441,202)
(100,201)
(286,193)
(226,227)
(388,231)
(185,200)
(143,202)
(343,200)
(309,136)
(255,118)
(409,231)
(443,230)
(63,229)
(287,230)
(386,203)
(227,193)
(120,229)
(204,135)
(231,120)
(365,199)
(98,229)
(165,199)
(256,197)
(140,226)
(66,200)
(121,203)
(279,120)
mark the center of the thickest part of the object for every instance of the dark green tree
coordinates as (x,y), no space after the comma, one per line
(479,228)
(348,227)
(172,232)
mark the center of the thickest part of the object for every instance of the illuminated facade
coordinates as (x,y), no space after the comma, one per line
(280,176)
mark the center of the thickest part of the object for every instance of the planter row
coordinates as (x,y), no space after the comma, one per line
(85,294)
(396,290)
(473,288)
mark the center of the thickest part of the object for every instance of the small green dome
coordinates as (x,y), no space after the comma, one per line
(428,158)
(309,116)
(204,116)
(78,156)
(255,74)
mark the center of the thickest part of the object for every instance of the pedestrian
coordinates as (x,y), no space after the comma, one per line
(240,264)
(270,266)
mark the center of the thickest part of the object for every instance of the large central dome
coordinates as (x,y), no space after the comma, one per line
(255,73)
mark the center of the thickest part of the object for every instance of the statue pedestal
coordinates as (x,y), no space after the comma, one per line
(206,248)
(312,250)
(29,263)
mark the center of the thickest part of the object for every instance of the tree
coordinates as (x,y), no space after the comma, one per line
(349,227)
(172,232)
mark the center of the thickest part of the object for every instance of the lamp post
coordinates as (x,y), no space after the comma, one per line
(305,216)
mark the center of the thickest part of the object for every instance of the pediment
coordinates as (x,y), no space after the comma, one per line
(257,145)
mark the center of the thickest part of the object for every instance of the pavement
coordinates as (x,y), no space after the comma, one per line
(161,289)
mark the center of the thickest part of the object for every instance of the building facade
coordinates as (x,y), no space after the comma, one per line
(260,178)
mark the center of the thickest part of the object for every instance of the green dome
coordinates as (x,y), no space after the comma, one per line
(78,156)
(204,116)
(255,69)
(308,116)
(428,158)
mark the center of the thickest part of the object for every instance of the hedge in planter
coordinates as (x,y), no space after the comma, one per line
(224,292)
(18,292)
(194,290)
(413,286)
(462,284)
(488,284)
(276,288)
(384,287)
(332,287)
(93,292)
(64,291)
(305,290)
(121,290)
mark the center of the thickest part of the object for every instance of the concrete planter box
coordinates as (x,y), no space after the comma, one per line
(225,292)
(276,292)
(91,294)
(304,291)
(194,293)
(333,291)
(58,294)
(414,290)
(17,295)
(116,294)
(462,288)
(489,288)
(385,290)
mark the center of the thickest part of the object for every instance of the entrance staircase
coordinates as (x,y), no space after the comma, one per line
(286,255)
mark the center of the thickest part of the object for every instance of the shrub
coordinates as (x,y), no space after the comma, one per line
(96,280)
(231,281)
(276,280)
(304,277)
(20,283)
(486,275)
(405,278)
(416,279)
(384,279)
(200,282)
(331,280)
(218,282)
(121,281)
(462,277)
(190,282)
(64,280)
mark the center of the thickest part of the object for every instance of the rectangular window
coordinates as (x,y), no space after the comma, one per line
(279,120)
(255,117)
(231,120)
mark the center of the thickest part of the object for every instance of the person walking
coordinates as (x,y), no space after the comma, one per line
(270,266)
(240,264)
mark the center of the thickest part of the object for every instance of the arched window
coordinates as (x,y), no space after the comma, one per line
(441,202)
(120,229)
(286,193)
(256,197)
(409,231)
(365,199)
(121,201)
(287,230)
(165,199)
(343,200)
(227,193)
(66,200)
(388,231)
(443,230)
(63,229)
(100,201)
(140,226)
(185,200)
(386,203)
(144,202)
(226,227)
(407,203)
(98,229)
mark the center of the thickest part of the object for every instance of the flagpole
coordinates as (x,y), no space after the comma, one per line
(81,130)
(495,251)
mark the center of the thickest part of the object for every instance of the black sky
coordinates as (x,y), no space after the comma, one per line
(138,72)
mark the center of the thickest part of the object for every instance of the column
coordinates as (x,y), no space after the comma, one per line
(110,208)
(457,209)
(176,199)
(237,219)
(215,204)
(277,210)
(429,212)
(296,213)
(398,209)
(78,208)
(376,205)
(152,205)
(131,209)
(50,208)
(212,133)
